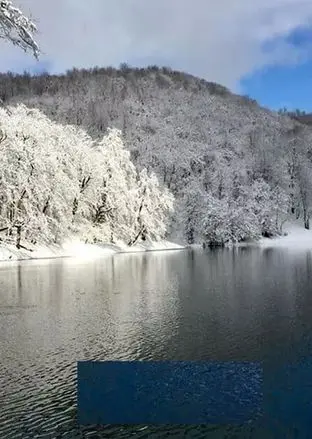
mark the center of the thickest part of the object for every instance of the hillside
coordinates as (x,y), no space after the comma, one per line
(236,169)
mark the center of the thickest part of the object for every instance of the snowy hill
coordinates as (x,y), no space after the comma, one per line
(236,169)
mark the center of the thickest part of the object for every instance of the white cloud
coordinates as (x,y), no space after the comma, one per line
(220,40)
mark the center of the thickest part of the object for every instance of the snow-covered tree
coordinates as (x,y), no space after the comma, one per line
(40,167)
(56,181)
(304,180)
(133,202)
(270,207)
(192,206)
(16,28)
(299,167)
(118,191)
(228,221)
(154,206)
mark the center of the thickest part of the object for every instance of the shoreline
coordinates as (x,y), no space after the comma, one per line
(76,249)
(297,238)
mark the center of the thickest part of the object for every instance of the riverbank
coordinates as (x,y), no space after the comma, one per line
(77,249)
(296,237)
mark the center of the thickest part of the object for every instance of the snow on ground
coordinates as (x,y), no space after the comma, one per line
(297,237)
(77,249)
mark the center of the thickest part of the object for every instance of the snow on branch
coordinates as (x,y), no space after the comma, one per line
(17,28)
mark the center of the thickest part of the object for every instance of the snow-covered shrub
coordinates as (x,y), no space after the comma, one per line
(258,211)
(226,221)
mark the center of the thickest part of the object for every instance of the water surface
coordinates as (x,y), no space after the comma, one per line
(231,304)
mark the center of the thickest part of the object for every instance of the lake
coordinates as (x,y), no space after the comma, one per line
(228,304)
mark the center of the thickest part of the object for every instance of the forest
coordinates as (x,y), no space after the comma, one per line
(58,182)
(131,154)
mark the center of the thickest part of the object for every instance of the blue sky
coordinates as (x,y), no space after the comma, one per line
(284,85)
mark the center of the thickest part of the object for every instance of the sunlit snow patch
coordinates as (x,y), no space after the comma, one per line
(80,250)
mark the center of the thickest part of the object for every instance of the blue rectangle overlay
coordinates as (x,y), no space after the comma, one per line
(168,392)
(287,398)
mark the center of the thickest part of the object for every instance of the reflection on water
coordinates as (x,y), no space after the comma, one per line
(238,304)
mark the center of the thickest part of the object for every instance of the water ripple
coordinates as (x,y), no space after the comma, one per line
(153,307)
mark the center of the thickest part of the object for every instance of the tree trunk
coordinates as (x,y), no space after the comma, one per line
(139,220)
(306,219)
(112,238)
(190,236)
(75,206)
(297,213)
(133,241)
(18,237)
